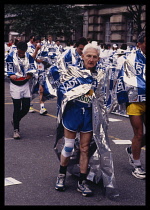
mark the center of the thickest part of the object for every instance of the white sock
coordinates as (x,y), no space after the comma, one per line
(42,105)
(137,162)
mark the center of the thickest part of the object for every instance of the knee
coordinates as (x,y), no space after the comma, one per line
(84,149)
(68,147)
(41,89)
(26,106)
(139,136)
(26,109)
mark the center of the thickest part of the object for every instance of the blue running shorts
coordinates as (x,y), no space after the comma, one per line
(77,117)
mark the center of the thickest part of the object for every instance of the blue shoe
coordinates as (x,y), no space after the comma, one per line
(60,183)
(84,189)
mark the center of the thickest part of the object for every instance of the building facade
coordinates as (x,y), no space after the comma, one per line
(111,24)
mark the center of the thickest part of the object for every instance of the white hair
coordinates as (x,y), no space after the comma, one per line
(93,46)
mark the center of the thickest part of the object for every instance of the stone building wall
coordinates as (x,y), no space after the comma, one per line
(110,24)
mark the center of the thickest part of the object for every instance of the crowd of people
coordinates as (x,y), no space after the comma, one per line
(80,72)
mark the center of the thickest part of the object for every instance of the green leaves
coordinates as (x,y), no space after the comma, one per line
(44,19)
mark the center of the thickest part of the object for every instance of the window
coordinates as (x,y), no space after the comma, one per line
(107,30)
(129,30)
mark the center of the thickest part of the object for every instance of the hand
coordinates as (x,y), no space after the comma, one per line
(39,60)
(29,76)
(38,46)
(13,77)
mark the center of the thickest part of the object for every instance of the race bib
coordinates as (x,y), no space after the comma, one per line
(87,98)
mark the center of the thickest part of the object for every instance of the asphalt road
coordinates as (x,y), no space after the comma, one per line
(33,162)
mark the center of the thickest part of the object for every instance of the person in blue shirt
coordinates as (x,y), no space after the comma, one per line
(34,50)
(77,117)
(72,56)
(19,63)
(136,106)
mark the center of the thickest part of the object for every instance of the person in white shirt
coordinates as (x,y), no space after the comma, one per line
(50,41)
(121,58)
(104,53)
(19,64)
(34,50)
(30,42)
(115,56)
(69,45)
(14,45)
(59,47)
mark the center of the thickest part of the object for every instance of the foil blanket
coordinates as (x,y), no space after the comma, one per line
(50,90)
(126,84)
(131,81)
(101,166)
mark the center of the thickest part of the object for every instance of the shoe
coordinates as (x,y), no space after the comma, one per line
(60,183)
(128,151)
(16,134)
(139,172)
(31,110)
(43,111)
(84,189)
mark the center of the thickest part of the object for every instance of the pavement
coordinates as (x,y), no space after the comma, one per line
(31,165)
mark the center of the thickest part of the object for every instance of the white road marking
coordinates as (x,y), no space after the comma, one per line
(11,181)
(122,141)
(9,138)
(114,120)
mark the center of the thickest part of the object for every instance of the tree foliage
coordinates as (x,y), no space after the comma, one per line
(44,19)
(135,13)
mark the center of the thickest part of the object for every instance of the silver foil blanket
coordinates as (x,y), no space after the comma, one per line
(105,168)
(131,81)
(50,90)
(101,166)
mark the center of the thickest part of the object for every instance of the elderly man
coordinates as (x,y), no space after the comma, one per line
(77,117)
